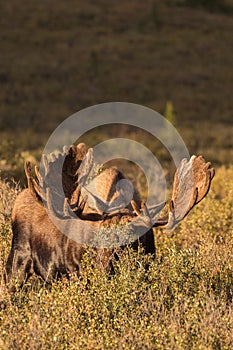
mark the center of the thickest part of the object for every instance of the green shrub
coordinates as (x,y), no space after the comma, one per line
(182,301)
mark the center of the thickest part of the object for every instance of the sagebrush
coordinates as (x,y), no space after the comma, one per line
(183,301)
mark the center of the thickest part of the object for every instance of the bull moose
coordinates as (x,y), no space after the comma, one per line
(51,229)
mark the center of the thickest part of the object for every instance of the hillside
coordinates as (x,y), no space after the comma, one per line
(57,58)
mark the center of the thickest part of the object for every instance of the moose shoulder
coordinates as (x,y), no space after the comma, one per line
(40,246)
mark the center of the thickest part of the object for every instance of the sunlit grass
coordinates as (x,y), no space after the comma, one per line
(183,301)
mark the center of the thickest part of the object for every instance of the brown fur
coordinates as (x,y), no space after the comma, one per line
(39,247)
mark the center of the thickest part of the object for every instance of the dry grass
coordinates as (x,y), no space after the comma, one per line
(184,300)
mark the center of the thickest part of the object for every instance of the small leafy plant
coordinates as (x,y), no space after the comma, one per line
(180,300)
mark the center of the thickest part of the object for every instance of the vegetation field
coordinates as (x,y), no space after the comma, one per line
(174,56)
(58,57)
(183,301)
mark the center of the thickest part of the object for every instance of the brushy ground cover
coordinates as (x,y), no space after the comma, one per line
(183,301)
(59,57)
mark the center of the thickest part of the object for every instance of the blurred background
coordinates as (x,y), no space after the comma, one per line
(57,57)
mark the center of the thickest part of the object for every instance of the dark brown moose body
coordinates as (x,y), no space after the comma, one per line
(39,246)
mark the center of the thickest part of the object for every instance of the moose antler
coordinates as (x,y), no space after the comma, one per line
(191,184)
(69,168)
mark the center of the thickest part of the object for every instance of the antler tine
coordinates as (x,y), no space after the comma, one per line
(202,176)
(52,157)
(33,186)
(85,167)
(145,215)
(82,147)
(45,163)
(202,193)
(65,149)
(39,177)
(145,211)
(28,172)
(135,207)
